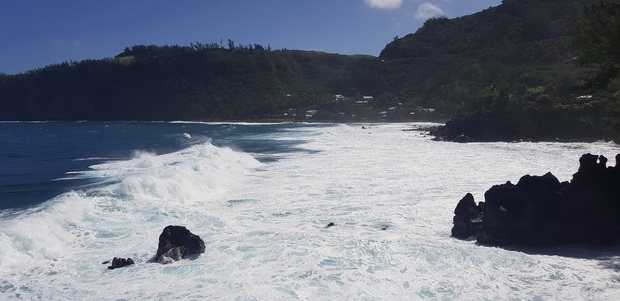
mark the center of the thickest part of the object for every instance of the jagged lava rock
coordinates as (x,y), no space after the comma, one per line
(467,218)
(176,242)
(120,262)
(522,213)
(541,211)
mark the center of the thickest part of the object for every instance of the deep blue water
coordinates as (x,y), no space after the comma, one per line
(37,158)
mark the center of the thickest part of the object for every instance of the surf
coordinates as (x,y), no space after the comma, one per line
(261,198)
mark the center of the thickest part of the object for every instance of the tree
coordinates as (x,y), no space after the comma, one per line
(598,39)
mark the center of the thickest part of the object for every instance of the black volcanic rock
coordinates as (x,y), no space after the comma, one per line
(515,126)
(172,255)
(120,262)
(467,218)
(541,211)
(519,213)
(176,242)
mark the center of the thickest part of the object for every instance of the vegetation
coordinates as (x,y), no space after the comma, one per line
(166,83)
(503,73)
(196,82)
(598,38)
(506,73)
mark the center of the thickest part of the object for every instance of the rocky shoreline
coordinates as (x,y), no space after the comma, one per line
(542,211)
(516,127)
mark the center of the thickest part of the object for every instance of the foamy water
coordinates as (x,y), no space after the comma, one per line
(390,193)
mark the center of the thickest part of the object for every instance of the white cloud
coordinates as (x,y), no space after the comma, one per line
(427,11)
(384,4)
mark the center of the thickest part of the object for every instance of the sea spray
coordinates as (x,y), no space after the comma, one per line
(41,235)
(78,229)
(188,176)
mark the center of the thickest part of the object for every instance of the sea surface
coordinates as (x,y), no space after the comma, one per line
(76,194)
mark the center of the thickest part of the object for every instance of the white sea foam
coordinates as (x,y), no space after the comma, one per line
(40,236)
(92,159)
(390,193)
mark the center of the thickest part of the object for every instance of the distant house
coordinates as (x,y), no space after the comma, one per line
(310,113)
(365,100)
(290,113)
(583,99)
(339,97)
(422,109)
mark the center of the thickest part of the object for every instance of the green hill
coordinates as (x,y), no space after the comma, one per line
(177,82)
(515,33)
(521,49)
(506,73)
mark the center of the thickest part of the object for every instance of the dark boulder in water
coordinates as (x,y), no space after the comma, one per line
(176,242)
(541,211)
(119,263)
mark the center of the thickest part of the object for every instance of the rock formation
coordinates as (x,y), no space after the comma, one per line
(467,218)
(119,263)
(541,211)
(176,242)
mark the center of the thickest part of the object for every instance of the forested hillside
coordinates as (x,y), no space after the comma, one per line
(508,72)
(513,71)
(527,69)
(198,82)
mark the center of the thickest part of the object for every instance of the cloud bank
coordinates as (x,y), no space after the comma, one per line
(427,11)
(384,4)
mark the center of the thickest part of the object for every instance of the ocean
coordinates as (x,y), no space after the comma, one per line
(76,194)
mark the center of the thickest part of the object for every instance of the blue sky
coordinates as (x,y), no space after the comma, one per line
(36,33)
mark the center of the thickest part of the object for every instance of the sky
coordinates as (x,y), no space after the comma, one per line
(37,33)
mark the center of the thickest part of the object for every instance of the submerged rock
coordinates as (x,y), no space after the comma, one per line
(541,211)
(176,242)
(119,263)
